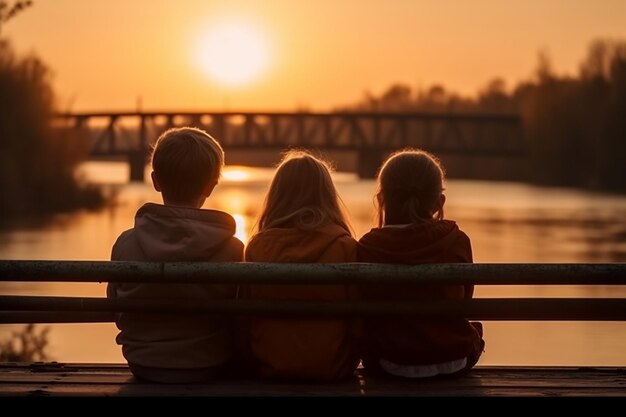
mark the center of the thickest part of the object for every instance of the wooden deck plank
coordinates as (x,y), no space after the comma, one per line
(168,390)
(484,381)
(106,380)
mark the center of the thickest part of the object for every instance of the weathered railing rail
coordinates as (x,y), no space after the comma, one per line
(340,273)
(26,309)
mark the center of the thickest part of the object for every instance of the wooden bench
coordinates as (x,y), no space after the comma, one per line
(51,379)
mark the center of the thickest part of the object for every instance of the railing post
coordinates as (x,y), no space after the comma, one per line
(137,158)
(111,133)
(143,134)
(137,161)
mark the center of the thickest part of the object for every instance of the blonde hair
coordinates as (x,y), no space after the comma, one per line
(410,184)
(302,195)
(185,160)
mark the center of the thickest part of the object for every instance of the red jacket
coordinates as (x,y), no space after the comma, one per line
(302,348)
(417,341)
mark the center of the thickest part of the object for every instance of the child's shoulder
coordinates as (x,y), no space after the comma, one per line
(124,243)
(347,240)
(462,235)
(217,216)
(374,232)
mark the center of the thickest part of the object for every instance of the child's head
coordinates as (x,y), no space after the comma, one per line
(410,186)
(186,165)
(302,195)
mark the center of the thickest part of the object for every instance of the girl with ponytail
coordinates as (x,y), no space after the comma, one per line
(412,230)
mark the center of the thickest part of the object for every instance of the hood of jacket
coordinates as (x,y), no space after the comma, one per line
(429,242)
(330,243)
(167,233)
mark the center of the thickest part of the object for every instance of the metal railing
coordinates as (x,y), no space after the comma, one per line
(33,309)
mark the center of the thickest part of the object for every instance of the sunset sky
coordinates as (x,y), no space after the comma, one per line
(307,54)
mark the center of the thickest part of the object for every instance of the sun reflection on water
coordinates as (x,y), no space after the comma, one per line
(239,205)
(241,224)
(235,174)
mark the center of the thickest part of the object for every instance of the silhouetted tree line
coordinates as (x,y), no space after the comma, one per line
(575,127)
(37,158)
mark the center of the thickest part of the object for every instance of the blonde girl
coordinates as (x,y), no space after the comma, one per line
(302,221)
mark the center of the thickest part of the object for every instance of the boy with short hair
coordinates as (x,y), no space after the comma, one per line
(170,348)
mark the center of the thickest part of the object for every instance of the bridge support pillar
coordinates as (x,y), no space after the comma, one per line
(369,161)
(137,161)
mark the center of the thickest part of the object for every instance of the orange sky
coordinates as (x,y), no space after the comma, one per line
(105,54)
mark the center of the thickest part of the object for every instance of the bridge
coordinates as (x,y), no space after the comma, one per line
(371,135)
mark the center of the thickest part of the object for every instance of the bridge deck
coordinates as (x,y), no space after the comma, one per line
(116,380)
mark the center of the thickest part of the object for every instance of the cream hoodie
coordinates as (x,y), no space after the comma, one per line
(169,234)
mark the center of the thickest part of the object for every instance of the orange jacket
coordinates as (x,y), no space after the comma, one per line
(417,341)
(302,348)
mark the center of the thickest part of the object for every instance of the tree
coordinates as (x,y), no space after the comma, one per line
(8,11)
(37,159)
(575,126)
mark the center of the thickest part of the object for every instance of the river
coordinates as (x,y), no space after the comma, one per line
(507,222)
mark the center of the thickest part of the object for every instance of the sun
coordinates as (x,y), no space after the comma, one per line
(233,53)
